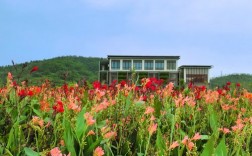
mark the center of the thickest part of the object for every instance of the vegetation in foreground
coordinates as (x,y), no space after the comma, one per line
(124,119)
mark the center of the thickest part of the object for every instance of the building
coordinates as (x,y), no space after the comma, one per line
(126,67)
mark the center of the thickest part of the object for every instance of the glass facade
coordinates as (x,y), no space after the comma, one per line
(159,64)
(148,64)
(171,64)
(115,64)
(137,64)
(126,64)
(198,75)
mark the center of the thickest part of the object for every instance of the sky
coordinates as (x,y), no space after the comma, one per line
(201,32)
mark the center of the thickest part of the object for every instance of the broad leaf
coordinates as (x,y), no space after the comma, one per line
(30,152)
(80,124)
(221,149)
(209,147)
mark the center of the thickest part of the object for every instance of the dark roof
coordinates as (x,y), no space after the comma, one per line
(142,57)
(195,66)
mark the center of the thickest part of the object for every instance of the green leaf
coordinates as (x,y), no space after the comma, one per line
(204,137)
(209,147)
(221,149)
(92,146)
(68,138)
(160,143)
(30,152)
(81,126)
(12,136)
(157,107)
(213,121)
(139,103)
(128,103)
(38,113)
(101,124)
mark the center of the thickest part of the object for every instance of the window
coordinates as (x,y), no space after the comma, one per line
(126,64)
(197,75)
(115,64)
(148,65)
(159,64)
(137,64)
(171,64)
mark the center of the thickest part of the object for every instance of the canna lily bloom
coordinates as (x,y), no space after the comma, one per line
(152,128)
(110,135)
(225,130)
(56,152)
(98,151)
(228,83)
(197,136)
(174,145)
(149,110)
(37,121)
(22,93)
(89,119)
(91,132)
(44,106)
(190,145)
(59,108)
(184,141)
(35,68)
(96,85)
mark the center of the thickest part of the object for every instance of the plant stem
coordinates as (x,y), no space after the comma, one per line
(147,146)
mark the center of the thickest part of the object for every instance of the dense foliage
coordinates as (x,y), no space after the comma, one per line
(124,119)
(245,81)
(70,69)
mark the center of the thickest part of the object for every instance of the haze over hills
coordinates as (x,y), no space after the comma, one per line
(72,69)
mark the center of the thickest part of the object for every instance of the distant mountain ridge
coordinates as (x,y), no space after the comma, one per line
(58,70)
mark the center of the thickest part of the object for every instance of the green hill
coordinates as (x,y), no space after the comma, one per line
(57,70)
(244,79)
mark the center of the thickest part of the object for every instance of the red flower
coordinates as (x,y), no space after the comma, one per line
(59,108)
(30,93)
(144,98)
(190,85)
(238,84)
(123,83)
(96,85)
(203,88)
(228,83)
(136,88)
(35,68)
(22,93)
(219,91)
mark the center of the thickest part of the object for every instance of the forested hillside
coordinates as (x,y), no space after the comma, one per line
(57,70)
(245,80)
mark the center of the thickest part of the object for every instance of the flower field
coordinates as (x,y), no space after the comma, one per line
(124,119)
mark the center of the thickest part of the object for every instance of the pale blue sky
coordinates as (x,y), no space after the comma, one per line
(201,32)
